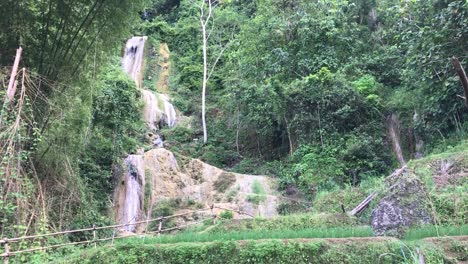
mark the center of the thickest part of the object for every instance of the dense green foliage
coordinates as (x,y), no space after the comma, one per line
(81,113)
(317,80)
(116,130)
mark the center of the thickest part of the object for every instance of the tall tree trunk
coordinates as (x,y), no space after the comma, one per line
(204,22)
(288,129)
(463,78)
(205,134)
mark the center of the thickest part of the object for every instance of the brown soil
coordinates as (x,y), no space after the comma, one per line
(446,243)
(449,172)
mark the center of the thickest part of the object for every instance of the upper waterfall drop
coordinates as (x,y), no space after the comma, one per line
(158,109)
(132,61)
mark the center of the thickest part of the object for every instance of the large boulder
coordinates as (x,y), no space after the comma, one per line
(404,205)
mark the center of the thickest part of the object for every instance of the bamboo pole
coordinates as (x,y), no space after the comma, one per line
(7,251)
(94,235)
(12,84)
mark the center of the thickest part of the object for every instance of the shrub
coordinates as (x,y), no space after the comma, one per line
(259,194)
(226,215)
(224,181)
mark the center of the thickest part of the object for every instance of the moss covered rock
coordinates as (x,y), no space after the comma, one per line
(404,205)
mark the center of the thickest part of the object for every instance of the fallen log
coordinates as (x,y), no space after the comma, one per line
(363,205)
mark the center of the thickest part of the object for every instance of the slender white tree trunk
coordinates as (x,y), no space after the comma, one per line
(204,22)
(205,74)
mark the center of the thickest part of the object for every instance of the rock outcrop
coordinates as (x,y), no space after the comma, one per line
(163,178)
(404,205)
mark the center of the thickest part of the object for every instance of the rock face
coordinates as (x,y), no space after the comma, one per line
(162,178)
(405,204)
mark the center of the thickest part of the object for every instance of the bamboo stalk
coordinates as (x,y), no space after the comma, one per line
(12,84)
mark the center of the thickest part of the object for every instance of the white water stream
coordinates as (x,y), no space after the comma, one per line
(158,111)
(171,116)
(131,208)
(132,61)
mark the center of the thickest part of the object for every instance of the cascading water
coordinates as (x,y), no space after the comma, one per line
(155,117)
(151,113)
(393,130)
(158,111)
(134,180)
(132,64)
(169,109)
(132,61)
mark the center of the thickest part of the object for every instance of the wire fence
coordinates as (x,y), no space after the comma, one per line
(7,242)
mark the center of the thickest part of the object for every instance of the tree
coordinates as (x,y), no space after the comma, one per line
(204,20)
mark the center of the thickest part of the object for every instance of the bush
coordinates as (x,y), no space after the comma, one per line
(226,214)
(259,194)
(224,181)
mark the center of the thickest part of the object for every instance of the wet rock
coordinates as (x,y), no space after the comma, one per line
(404,205)
(163,178)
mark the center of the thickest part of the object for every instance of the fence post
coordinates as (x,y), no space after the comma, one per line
(94,235)
(160,226)
(212,214)
(7,251)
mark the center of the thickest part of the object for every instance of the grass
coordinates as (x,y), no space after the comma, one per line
(338,232)
(264,251)
(287,222)
(434,231)
(257,234)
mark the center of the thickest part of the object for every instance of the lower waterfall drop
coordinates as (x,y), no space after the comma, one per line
(131,209)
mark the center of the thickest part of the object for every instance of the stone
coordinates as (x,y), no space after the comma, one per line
(404,205)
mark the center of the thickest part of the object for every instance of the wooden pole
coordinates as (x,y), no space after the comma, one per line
(160,227)
(463,79)
(7,251)
(94,235)
(11,85)
(420,256)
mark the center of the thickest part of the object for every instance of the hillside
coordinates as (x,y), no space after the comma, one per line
(266,131)
(322,236)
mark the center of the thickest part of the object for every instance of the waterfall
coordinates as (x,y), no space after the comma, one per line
(151,113)
(132,61)
(418,149)
(393,130)
(169,110)
(134,180)
(154,116)
(158,111)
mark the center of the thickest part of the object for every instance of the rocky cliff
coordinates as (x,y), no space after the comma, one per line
(162,177)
